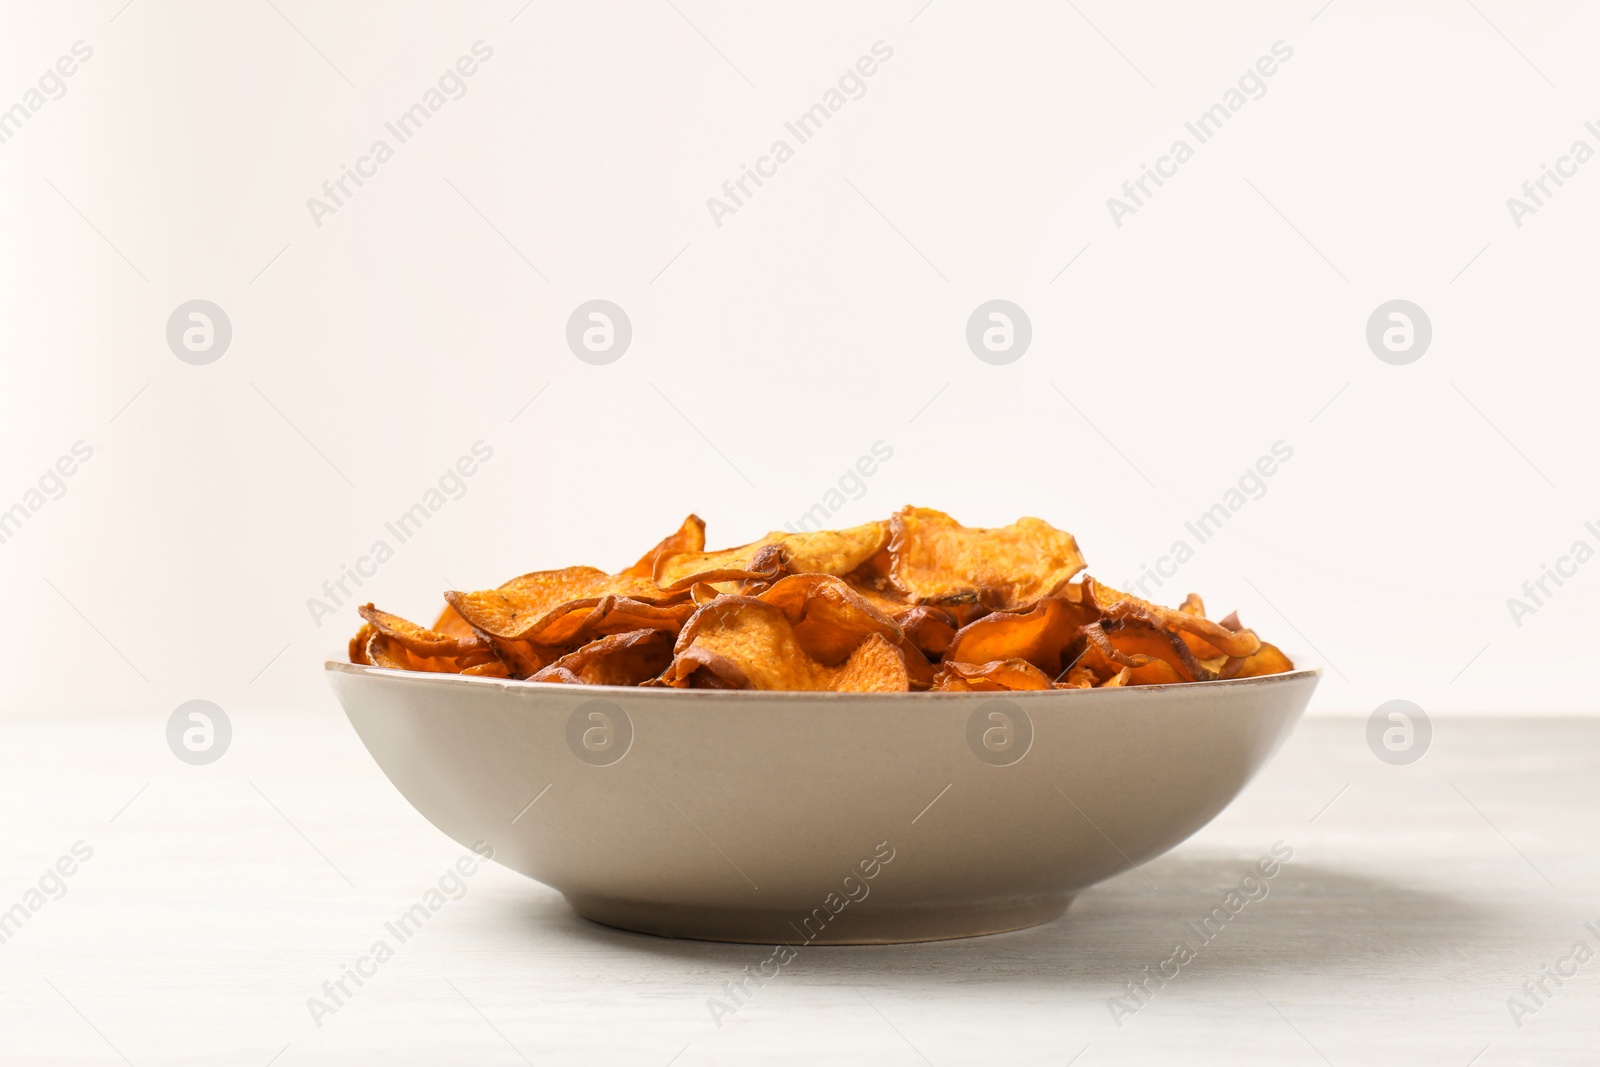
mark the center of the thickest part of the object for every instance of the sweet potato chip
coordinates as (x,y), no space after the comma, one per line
(831,619)
(1119,605)
(928,628)
(997,676)
(746,643)
(492,669)
(822,552)
(686,539)
(1117,680)
(1265,660)
(1078,677)
(423,642)
(522,605)
(629,658)
(1155,656)
(611,615)
(876,666)
(1047,635)
(386,650)
(936,560)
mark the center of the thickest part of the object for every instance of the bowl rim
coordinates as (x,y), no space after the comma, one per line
(338,667)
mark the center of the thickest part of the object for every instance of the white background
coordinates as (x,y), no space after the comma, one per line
(827,314)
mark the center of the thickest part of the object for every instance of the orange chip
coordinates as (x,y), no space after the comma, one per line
(831,619)
(1265,660)
(1119,605)
(997,676)
(823,552)
(630,658)
(386,650)
(492,669)
(611,615)
(928,628)
(1155,656)
(1078,677)
(690,538)
(1121,678)
(423,642)
(1047,635)
(745,643)
(524,604)
(936,560)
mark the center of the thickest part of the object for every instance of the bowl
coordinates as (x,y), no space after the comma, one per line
(817,818)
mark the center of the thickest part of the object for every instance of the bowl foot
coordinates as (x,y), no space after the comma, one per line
(857,924)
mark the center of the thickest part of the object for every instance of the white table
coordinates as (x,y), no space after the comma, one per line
(219,899)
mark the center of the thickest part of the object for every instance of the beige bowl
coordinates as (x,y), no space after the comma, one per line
(821,818)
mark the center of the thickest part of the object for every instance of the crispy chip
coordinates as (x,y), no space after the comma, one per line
(997,676)
(386,650)
(831,619)
(1154,655)
(746,643)
(423,642)
(630,658)
(688,538)
(611,615)
(492,669)
(1265,660)
(1079,677)
(823,552)
(936,560)
(1048,635)
(523,605)
(1119,605)
(928,628)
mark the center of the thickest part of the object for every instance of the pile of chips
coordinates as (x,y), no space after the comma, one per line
(919,602)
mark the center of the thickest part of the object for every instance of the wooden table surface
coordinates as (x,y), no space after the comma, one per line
(215,901)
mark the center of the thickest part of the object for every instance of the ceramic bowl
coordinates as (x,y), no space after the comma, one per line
(817,818)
